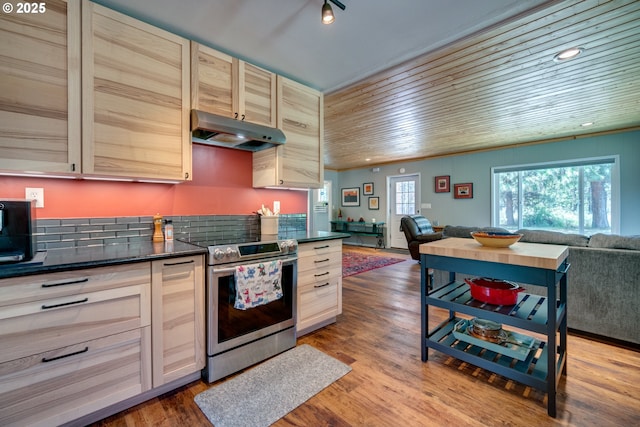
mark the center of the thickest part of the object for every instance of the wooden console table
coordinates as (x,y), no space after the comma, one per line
(361,229)
(536,264)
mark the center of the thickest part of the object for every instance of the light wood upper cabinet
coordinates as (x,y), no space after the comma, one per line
(224,85)
(212,80)
(299,162)
(40,89)
(177,310)
(135,85)
(257,94)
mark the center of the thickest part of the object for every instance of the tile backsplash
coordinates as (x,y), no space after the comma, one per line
(80,232)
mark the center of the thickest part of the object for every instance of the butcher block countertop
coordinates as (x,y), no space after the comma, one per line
(536,255)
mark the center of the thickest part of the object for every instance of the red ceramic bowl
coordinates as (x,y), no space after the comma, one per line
(494,291)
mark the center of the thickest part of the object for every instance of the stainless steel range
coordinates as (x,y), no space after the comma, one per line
(238,338)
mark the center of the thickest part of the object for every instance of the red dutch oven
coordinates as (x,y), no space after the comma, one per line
(494,291)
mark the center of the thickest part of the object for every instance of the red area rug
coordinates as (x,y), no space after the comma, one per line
(357,262)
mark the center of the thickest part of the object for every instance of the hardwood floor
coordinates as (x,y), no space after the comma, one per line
(378,335)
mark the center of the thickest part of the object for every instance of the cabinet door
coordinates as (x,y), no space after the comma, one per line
(40,89)
(135,81)
(257,94)
(224,85)
(57,386)
(319,304)
(299,162)
(177,313)
(212,80)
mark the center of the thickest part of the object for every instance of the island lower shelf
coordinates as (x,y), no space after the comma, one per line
(531,371)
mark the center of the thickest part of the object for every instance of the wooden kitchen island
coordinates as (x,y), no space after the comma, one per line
(532,263)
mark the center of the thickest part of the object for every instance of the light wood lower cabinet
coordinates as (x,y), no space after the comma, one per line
(178,318)
(60,385)
(73,342)
(319,284)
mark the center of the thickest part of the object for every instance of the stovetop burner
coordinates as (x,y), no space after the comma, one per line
(206,243)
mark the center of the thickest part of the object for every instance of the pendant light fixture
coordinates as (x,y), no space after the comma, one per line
(327,12)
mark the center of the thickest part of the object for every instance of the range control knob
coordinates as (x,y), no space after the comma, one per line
(218,254)
(289,246)
(232,253)
(284,247)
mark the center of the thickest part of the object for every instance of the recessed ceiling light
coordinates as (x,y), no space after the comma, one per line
(367,160)
(568,54)
(585,124)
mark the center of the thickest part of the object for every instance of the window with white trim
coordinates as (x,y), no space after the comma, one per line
(577,196)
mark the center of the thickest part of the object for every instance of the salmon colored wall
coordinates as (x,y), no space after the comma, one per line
(221,185)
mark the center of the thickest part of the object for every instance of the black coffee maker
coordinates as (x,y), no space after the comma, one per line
(17,226)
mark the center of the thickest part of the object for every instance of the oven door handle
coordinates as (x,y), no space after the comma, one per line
(225,271)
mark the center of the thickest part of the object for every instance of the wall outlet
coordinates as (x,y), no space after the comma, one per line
(426,206)
(276,206)
(36,194)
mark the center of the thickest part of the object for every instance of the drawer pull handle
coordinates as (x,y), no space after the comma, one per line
(44,307)
(45,360)
(72,282)
(321,247)
(321,260)
(178,263)
(321,274)
(321,286)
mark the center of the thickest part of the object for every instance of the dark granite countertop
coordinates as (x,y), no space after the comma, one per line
(99,256)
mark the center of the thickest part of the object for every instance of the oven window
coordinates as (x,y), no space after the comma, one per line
(233,323)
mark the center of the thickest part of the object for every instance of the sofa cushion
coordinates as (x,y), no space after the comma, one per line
(462,231)
(613,241)
(553,237)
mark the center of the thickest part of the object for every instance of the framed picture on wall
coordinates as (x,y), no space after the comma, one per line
(374,203)
(367,188)
(442,184)
(351,196)
(463,191)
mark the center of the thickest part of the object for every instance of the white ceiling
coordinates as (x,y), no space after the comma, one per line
(287,37)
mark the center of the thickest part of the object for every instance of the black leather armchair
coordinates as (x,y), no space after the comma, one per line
(417,229)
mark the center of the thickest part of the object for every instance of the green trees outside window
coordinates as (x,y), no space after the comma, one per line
(574,197)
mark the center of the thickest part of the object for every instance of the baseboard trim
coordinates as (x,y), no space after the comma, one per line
(606,340)
(133,401)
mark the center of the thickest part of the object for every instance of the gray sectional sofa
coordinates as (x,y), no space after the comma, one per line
(603,280)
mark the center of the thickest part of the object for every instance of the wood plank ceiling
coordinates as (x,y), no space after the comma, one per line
(498,88)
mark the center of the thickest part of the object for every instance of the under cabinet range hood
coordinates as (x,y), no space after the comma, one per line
(212,129)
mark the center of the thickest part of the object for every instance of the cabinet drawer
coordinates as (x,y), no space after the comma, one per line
(38,326)
(317,303)
(319,262)
(319,248)
(318,277)
(57,386)
(17,290)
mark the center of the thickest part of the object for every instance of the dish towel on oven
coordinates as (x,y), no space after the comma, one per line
(258,284)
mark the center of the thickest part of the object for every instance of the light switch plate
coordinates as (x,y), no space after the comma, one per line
(36,194)
(276,206)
